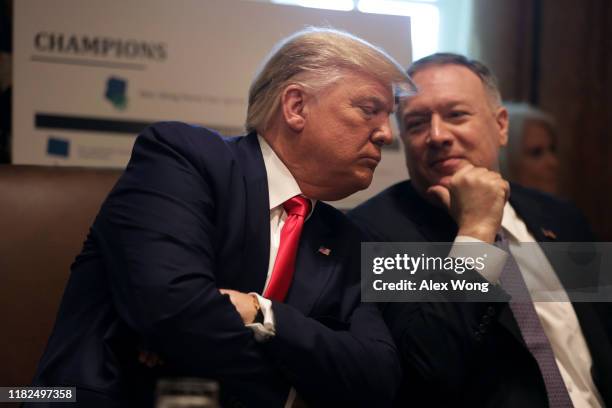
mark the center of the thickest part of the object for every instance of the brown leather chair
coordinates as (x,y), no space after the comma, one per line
(45,214)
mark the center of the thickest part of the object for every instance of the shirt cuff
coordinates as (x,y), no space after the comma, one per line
(266,330)
(290,398)
(493,258)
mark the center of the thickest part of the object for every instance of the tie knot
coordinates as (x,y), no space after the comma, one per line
(297,205)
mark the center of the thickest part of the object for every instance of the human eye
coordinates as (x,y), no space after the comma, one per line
(368,110)
(536,152)
(457,114)
(414,125)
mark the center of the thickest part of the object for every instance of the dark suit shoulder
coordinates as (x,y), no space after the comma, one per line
(375,217)
(338,222)
(189,141)
(531,196)
(388,198)
(396,214)
(542,210)
(181,132)
(166,147)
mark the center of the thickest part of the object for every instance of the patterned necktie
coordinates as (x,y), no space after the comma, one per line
(297,209)
(531,329)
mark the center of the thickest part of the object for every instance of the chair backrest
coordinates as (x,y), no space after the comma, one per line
(45,214)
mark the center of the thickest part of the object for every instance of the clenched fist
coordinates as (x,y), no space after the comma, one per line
(475,198)
(246,305)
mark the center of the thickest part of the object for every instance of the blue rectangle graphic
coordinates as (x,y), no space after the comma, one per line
(58,147)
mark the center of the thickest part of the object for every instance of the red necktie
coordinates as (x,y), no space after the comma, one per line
(297,208)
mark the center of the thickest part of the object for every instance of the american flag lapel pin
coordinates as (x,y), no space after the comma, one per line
(324,250)
(549,234)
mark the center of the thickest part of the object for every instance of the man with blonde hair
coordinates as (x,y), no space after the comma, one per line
(216,256)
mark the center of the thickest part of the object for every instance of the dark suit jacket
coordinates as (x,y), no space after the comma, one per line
(190,215)
(472,354)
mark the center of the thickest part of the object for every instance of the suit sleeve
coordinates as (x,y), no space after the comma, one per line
(354,365)
(438,341)
(156,233)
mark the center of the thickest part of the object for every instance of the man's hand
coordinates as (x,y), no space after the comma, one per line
(246,305)
(475,198)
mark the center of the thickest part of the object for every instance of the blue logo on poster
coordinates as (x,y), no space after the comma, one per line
(58,147)
(116,92)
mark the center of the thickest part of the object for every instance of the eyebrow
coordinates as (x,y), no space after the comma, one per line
(427,111)
(416,114)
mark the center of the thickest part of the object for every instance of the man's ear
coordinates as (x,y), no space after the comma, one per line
(501,118)
(293,101)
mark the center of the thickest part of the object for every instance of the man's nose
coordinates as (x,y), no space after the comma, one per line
(438,132)
(383,135)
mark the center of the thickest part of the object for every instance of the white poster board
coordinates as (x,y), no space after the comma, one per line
(89,75)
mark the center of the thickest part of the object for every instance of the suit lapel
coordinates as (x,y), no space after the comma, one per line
(313,268)
(541,223)
(545,227)
(507,320)
(257,216)
(598,344)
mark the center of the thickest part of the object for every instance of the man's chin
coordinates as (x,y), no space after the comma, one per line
(358,184)
(363,179)
(443,181)
(422,186)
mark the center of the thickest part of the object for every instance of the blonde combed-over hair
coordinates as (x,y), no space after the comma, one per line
(316,58)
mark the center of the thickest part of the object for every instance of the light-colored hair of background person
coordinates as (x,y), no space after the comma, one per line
(487,78)
(315,58)
(518,115)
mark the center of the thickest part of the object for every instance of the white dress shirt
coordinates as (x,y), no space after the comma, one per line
(281,187)
(558,317)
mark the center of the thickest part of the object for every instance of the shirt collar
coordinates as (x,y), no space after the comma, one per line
(281,184)
(512,224)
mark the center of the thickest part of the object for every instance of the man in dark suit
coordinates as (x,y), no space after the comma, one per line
(480,354)
(215,256)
